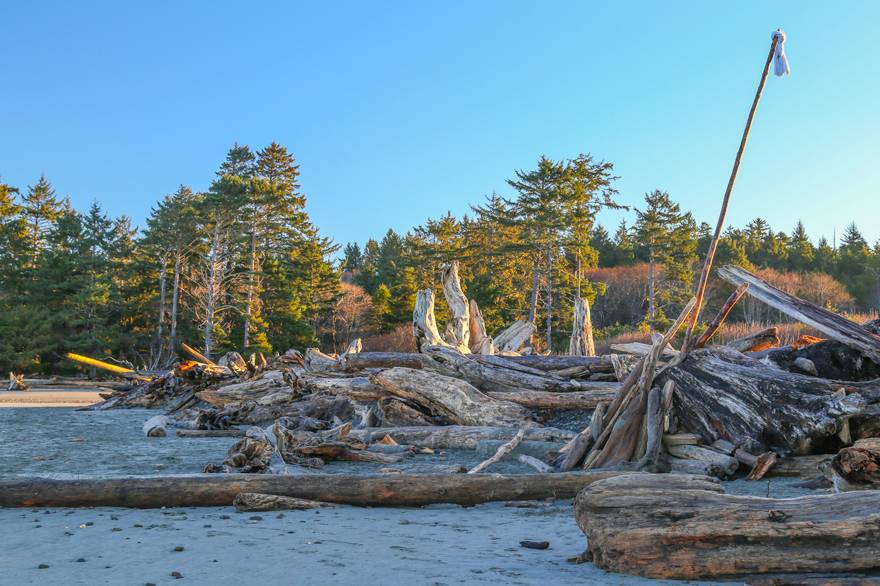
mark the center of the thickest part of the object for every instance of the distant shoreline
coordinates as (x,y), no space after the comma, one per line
(53,398)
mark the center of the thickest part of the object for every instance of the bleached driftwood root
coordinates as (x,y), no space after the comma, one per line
(458,329)
(480,341)
(424,322)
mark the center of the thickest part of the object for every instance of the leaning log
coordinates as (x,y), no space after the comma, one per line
(686,527)
(515,336)
(218,490)
(723,394)
(827,322)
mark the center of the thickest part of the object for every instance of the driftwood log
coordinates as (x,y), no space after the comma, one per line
(766,338)
(452,399)
(723,394)
(457,332)
(216,490)
(255,502)
(461,437)
(686,527)
(581,342)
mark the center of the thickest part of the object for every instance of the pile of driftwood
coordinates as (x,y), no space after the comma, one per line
(747,408)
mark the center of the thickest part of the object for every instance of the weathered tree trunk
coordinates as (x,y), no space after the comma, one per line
(827,322)
(424,323)
(218,490)
(533,296)
(723,394)
(581,343)
(159,341)
(480,342)
(451,399)
(651,310)
(685,527)
(458,329)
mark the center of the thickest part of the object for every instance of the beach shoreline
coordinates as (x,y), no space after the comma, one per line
(49,398)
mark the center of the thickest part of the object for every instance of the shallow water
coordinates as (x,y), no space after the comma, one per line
(60,442)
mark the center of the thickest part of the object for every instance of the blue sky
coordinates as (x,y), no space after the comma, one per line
(400,111)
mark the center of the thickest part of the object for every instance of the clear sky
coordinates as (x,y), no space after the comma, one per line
(397,111)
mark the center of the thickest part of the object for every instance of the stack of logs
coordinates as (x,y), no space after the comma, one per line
(747,407)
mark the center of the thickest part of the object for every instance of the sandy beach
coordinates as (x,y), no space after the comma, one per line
(440,544)
(48,398)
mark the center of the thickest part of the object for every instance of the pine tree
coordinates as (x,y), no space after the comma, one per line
(801,254)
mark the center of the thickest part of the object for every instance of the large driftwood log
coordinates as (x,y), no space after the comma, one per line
(722,394)
(452,399)
(548,400)
(827,322)
(458,329)
(830,358)
(671,526)
(498,374)
(460,437)
(217,490)
(595,364)
(581,342)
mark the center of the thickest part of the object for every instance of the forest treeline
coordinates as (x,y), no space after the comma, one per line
(241,266)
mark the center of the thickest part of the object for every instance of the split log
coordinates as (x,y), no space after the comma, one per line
(763,340)
(458,437)
(515,336)
(827,322)
(218,490)
(686,527)
(581,342)
(480,342)
(545,400)
(424,323)
(499,455)
(457,332)
(721,316)
(253,502)
(399,411)
(454,400)
(857,467)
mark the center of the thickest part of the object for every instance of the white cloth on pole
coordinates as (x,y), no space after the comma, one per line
(780,62)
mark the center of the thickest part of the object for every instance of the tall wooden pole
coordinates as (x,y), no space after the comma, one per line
(713,245)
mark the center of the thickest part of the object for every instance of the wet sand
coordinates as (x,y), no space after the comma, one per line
(441,544)
(48,398)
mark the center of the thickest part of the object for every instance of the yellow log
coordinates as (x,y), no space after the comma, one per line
(197,355)
(127,372)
